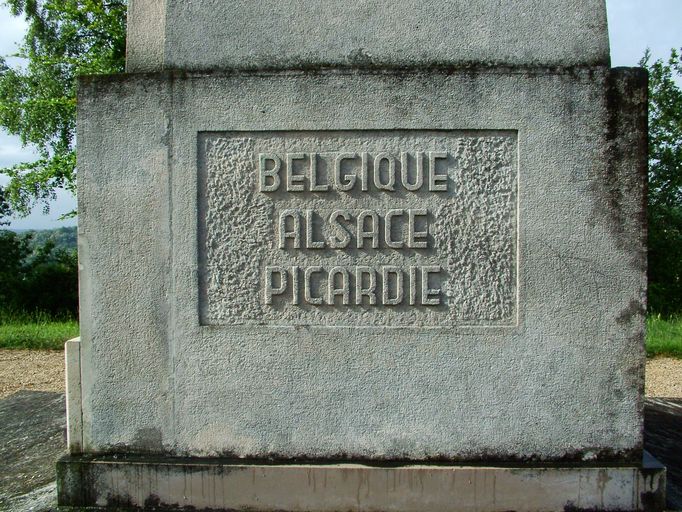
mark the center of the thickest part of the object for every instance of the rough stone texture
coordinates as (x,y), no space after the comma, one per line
(286,34)
(123,249)
(216,485)
(145,34)
(74,393)
(472,229)
(565,383)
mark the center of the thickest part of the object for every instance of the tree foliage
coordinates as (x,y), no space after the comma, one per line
(65,39)
(5,210)
(665,183)
(63,238)
(14,250)
(37,277)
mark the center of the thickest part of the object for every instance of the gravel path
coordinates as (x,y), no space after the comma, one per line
(664,377)
(35,370)
(43,370)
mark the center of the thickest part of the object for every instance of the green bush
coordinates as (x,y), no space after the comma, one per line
(665,184)
(37,279)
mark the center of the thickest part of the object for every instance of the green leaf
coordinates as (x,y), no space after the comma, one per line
(65,39)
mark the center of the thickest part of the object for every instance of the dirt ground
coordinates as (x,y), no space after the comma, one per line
(43,370)
(664,377)
(35,370)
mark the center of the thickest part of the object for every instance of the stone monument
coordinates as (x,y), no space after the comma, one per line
(361,255)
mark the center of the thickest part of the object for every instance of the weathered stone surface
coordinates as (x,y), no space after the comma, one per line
(74,407)
(289,34)
(123,247)
(562,382)
(222,485)
(397,238)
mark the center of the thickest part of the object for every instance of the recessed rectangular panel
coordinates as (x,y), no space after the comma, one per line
(358,228)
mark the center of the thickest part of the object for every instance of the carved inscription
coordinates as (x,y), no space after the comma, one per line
(358,228)
(343,228)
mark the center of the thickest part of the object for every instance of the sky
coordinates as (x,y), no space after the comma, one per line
(634,25)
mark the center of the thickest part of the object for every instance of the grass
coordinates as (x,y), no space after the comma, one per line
(35,331)
(40,331)
(664,336)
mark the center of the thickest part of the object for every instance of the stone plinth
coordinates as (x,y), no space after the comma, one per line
(220,485)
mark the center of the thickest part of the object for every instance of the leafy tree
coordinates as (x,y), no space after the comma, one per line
(65,38)
(5,210)
(14,249)
(665,184)
(51,279)
(37,277)
(63,238)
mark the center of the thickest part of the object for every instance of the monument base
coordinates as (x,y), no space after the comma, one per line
(145,483)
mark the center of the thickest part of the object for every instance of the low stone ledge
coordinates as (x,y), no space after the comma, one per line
(140,483)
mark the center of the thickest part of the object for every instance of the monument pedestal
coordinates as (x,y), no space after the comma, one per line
(215,484)
(385,231)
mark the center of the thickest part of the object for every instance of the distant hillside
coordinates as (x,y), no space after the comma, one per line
(63,238)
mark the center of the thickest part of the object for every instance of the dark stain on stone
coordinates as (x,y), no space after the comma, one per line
(471,69)
(620,187)
(634,310)
(152,502)
(571,507)
(572,458)
(652,501)
(148,439)
(360,58)
(120,502)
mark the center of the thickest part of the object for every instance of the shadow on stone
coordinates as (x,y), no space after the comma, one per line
(663,439)
(32,437)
